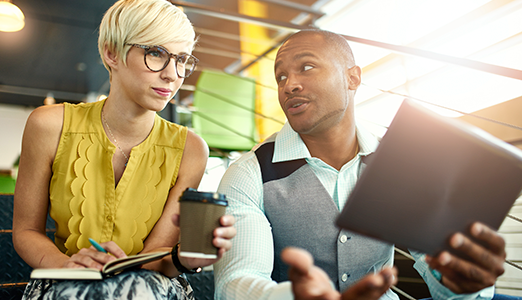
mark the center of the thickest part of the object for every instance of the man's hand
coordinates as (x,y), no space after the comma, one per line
(310,282)
(373,286)
(484,265)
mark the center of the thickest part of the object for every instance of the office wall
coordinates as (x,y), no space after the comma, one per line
(12,123)
(509,112)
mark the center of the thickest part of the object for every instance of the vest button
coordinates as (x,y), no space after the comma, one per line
(345,277)
(343,238)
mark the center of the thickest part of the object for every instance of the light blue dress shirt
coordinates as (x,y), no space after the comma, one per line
(244,272)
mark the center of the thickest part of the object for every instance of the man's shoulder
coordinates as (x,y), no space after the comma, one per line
(250,156)
(270,139)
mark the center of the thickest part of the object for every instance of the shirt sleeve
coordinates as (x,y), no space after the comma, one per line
(439,291)
(245,270)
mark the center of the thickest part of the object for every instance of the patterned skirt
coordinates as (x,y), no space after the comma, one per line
(136,284)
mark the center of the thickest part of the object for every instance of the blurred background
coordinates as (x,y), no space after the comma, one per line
(462,59)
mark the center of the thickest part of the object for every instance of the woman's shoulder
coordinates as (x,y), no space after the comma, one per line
(43,130)
(180,134)
(195,140)
(196,145)
(46,119)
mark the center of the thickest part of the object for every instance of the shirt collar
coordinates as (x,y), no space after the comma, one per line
(290,146)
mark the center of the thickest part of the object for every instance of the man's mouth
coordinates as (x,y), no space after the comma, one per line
(296,105)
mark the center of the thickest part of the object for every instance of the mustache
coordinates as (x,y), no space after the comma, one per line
(289,98)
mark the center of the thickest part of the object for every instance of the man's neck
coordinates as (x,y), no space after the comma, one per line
(335,148)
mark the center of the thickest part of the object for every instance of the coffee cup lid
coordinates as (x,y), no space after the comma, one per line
(191,194)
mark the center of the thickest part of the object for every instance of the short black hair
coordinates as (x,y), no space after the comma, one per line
(337,41)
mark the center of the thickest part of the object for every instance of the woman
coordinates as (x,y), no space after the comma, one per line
(113,170)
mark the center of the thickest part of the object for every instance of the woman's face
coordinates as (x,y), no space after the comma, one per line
(150,90)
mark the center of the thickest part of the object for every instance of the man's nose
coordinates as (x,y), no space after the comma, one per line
(293,84)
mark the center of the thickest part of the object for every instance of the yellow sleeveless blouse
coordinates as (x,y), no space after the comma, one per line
(84,201)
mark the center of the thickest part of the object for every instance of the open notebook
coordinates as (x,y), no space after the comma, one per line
(432,176)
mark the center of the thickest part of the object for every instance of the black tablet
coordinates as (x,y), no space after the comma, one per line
(430,177)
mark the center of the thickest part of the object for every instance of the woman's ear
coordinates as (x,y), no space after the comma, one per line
(354,77)
(110,58)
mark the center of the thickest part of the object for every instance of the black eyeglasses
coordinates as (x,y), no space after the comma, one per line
(157,58)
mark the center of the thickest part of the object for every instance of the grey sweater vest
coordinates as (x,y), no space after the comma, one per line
(302,214)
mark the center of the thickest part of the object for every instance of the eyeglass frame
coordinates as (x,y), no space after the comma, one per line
(171,55)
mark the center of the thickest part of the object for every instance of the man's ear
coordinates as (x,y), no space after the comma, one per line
(110,58)
(354,77)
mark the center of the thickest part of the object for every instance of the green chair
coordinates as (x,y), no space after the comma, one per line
(223,111)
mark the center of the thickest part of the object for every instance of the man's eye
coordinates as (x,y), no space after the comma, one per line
(306,68)
(281,78)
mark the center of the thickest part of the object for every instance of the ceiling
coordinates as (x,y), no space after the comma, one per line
(56,52)
(463,55)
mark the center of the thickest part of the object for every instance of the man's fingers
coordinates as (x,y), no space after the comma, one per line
(390,276)
(227,220)
(461,276)
(373,286)
(298,259)
(495,241)
(479,263)
(228,232)
(482,258)
(461,268)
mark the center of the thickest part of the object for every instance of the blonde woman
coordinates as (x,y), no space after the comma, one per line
(113,170)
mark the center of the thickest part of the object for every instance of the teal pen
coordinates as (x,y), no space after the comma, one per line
(97,246)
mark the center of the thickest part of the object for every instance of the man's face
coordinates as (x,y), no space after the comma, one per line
(312,84)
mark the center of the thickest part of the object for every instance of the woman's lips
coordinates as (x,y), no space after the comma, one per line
(163,92)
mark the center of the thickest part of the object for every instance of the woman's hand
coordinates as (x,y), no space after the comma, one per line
(222,240)
(92,258)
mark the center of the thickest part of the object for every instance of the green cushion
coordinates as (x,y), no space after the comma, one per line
(7,184)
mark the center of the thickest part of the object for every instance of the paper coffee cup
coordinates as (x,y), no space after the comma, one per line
(199,216)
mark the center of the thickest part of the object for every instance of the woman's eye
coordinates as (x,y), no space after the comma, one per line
(154,53)
(157,52)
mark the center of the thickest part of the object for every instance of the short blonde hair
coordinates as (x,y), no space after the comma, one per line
(145,22)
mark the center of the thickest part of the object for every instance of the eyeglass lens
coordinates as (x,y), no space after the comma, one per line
(157,59)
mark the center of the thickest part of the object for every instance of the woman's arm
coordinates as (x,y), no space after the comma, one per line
(166,231)
(165,234)
(31,200)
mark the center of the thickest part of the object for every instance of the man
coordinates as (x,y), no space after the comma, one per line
(288,191)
